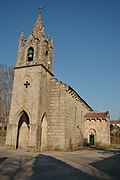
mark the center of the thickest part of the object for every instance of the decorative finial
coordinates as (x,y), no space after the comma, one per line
(40,10)
(22,31)
(22,34)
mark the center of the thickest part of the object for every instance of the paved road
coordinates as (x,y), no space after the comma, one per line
(85,164)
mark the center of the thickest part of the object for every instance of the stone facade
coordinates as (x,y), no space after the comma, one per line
(45,113)
(97,125)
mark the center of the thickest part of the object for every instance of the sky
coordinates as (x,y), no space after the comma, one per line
(86,36)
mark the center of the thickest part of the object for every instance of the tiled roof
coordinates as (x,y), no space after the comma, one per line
(115,122)
(93,115)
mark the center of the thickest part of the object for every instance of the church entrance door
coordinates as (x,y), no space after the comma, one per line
(91,139)
(23,131)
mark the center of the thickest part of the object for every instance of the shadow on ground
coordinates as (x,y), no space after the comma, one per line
(41,167)
(22,165)
(111,165)
(49,168)
(2,159)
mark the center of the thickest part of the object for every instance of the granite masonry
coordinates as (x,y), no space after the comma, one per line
(45,113)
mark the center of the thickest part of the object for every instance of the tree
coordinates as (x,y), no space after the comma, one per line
(6,81)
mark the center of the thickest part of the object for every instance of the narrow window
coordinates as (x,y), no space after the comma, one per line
(46,54)
(30,54)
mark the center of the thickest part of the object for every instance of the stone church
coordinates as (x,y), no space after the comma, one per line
(45,113)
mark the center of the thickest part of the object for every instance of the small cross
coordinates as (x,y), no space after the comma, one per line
(26,84)
(40,10)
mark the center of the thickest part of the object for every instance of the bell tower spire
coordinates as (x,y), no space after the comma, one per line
(38,49)
(38,29)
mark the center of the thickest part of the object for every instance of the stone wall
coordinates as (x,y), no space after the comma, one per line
(33,99)
(66,117)
(56,122)
(74,120)
(101,128)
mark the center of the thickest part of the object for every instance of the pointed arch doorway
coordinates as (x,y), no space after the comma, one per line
(23,131)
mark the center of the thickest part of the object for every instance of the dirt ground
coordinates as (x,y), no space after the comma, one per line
(84,164)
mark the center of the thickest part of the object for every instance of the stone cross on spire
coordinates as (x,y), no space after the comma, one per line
(40,10)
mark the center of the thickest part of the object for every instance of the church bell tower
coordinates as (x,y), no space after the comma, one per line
(31,87)
(37,49)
